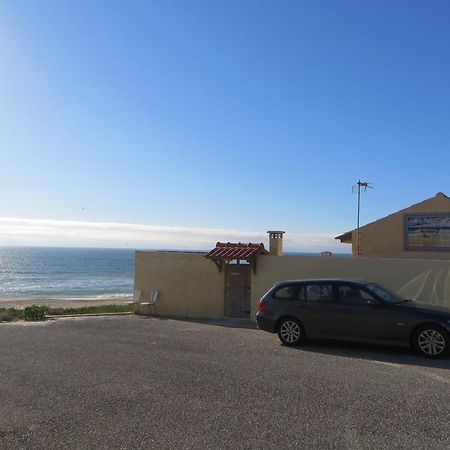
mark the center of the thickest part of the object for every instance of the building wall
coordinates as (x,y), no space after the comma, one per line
(421,280)
(385,237)
(188,284)
(191,286)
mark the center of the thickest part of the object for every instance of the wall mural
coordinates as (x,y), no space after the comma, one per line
(430,286)
(427,232)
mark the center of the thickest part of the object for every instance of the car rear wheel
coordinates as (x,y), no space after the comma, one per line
(431,341)
(290,331)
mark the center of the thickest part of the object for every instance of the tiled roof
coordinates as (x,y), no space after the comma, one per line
(236,251)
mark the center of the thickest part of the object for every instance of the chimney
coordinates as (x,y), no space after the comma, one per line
(276,243)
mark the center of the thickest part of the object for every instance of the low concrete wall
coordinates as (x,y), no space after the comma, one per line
(188,285)
(425,281)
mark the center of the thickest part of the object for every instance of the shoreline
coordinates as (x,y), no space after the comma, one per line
(62,303)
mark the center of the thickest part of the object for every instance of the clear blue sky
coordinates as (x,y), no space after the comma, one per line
(248,115)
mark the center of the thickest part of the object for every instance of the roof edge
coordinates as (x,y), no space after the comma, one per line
(439,194)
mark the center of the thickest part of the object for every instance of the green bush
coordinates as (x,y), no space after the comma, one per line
(35,312)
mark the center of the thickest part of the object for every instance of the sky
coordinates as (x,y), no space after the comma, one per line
(175,124)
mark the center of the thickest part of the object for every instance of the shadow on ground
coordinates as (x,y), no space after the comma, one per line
(228,322)
(372,352)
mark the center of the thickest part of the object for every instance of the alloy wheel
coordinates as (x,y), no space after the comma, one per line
(431,342)
(290,331)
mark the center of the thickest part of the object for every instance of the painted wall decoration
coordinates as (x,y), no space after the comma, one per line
(427,232)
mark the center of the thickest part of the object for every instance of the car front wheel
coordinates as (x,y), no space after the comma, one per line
(431,341)
(290,331)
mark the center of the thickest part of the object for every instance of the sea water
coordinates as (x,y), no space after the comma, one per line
(65,273)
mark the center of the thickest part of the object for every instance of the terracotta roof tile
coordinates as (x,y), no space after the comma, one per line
(238,250)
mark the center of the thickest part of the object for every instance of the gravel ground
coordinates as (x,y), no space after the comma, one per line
(132,382)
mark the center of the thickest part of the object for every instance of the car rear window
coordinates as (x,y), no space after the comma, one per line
(284,292)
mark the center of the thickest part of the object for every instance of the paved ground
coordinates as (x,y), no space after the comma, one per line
(129,382)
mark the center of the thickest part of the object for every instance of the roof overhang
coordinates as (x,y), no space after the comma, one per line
(223,253)
(345,238)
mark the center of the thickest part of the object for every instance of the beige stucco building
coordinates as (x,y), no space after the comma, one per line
(421,231)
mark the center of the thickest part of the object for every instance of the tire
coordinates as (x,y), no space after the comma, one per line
(431,341)
(290,331)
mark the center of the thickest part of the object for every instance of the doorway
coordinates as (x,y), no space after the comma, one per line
(237,290)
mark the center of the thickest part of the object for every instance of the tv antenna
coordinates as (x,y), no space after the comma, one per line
(358,187)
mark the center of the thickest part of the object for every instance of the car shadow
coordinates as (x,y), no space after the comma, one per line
(373,352)
(227,322)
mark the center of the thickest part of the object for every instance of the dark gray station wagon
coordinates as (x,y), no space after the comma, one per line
(352,310)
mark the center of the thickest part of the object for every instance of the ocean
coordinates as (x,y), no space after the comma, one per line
(65,273)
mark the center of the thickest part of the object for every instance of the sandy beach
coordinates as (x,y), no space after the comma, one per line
(56,303)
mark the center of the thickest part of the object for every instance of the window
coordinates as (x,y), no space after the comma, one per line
(386,295)
(301,294)
(285,292)
(352,295)
(319,293)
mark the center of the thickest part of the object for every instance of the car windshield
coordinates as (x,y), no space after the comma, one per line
(383,293)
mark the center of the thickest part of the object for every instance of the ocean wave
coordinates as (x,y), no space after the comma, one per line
(49,273)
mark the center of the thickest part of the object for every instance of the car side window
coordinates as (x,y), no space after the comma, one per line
(285,292)
(301,294)
(319,293)
(353,295)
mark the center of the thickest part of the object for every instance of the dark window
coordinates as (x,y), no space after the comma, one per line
(284,292)
(353,295)
(301,294)
(319,293)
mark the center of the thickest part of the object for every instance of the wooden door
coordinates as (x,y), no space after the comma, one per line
(237,290)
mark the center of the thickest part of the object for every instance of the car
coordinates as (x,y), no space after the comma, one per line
(352,310)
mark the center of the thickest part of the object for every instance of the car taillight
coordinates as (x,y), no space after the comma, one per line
(261,306)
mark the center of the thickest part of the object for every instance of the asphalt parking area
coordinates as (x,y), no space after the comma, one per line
(129,382)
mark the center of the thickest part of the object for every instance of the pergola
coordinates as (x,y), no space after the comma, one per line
(224,253)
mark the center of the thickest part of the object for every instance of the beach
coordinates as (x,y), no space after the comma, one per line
(63,303)
(65,277)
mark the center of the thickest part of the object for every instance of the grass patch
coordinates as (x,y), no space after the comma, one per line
(92,309)
(36,312)
(30,313)
(10,314)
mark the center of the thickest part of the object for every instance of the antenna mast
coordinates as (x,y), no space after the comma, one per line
(360,185)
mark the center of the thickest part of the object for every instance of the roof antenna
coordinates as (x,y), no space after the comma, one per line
(360,185)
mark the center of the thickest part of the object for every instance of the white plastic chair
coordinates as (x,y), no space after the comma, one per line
(136,298)
(151,302)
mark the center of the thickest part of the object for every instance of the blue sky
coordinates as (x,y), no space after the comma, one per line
(240,115)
